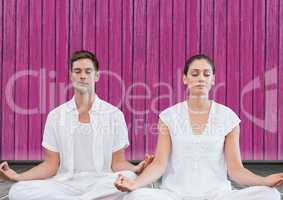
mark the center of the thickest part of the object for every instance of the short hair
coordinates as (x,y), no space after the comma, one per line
(198,57)
(77,55)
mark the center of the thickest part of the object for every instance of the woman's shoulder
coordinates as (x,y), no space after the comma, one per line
(222,109)
(178,107)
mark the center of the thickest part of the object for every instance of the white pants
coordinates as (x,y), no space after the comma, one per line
(82,187)
(250,193)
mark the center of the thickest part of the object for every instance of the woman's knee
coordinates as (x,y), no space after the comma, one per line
(269,193)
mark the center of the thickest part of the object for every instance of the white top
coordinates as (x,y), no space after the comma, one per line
(197,167)
(83,142)
(110,135)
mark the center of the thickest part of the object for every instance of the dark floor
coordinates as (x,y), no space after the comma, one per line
(260,169)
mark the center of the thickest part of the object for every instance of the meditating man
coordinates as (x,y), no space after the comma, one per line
(84,141)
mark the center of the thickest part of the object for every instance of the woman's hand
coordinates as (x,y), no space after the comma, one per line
(273,180)
(142,165)
(8,173)
(125,184)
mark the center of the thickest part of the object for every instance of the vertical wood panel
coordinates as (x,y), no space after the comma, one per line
(271,68)
(166,55)
(35,56)
(102,46)
(207,27)
(280,90)
(139,74)
(219,49)
(21,85)
(192,27)
(48,93)
(62,51)
(152,76)
(1,76)
(258,68)
(127,63)
(246,75)
(9,45)
(89,13)
(179,32)
(115,42)
(233,51)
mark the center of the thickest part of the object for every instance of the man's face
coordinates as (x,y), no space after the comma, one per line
(83,76)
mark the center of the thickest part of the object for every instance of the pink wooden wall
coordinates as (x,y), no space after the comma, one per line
(144,43)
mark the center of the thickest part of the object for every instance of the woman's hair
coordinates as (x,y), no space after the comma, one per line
(198,57)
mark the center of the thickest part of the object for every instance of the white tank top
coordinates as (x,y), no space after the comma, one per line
(197,167)
(83,148)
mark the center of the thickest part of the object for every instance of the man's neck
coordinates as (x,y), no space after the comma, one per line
(84,101)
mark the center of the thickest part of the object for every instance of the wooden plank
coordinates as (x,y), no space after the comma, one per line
(280,90)
(35,56)
(62,52)
(138,87)
(8,69)
(102,46)
(258,67)
(166,55)
(49,50)
(152,75)
(192,28)
(76,31)
(207,27)
(271,81)
(127,64)
(246,76)
(220,51)
(1,75)
(233,56)
(115,60)
(179,47)
(21,82)
(89,17)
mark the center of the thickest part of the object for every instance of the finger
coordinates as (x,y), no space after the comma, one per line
(279,183)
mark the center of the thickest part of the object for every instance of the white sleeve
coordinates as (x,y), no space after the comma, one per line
(121,140)
(165,117)
(49,141)
(232,120)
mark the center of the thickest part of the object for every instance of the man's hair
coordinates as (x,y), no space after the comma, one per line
(198,57)
(77,55)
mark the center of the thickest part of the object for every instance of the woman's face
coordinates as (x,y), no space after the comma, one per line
(199,78)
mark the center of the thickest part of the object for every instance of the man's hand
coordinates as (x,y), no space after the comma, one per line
(142,165)
(8,173)
(274,180)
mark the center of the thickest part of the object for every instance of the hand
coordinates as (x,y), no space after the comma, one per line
(125,184)
(142,165)
(274,180)
(8,173)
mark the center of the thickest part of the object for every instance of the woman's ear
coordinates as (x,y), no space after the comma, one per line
(185,81)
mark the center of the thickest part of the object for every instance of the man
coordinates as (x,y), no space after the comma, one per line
(84,141)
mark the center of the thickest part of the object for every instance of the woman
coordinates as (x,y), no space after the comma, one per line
(198,145)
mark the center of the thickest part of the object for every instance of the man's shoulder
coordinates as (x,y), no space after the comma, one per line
(108,108)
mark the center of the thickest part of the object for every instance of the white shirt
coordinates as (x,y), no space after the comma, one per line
(110,135)
(83,142)
(197,167)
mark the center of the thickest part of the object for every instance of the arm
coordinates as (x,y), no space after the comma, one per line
(156,169)
(237,172)
(119,162)
(44,170)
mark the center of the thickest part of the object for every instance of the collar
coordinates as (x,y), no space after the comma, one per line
(71,105)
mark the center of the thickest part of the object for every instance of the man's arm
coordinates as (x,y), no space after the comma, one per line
(44,170)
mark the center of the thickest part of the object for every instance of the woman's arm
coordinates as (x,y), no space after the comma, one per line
(44,170)
(237,172)
(156,169)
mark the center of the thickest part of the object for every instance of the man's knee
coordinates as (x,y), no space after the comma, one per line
(18,191)
(269,193)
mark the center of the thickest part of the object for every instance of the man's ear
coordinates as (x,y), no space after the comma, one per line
(97,76)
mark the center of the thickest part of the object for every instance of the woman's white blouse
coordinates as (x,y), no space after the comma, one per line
(197,166)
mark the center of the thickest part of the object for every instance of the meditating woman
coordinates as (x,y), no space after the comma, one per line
(198,146)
